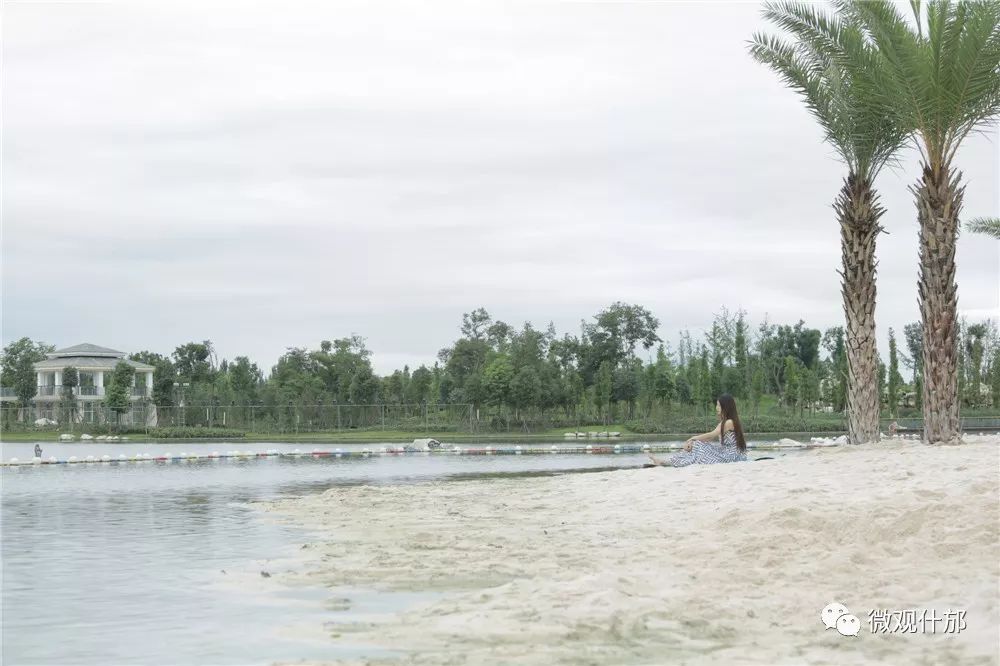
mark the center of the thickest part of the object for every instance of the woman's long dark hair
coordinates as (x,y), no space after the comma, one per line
(729,413)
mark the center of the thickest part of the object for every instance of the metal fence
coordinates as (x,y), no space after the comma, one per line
(289,418)
(80,415)
(319,418)
(70,417)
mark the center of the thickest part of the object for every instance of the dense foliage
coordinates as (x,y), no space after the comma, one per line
(17,367)
(617,370)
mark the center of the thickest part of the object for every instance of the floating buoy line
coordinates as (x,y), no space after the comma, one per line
(421,449)
(214,456)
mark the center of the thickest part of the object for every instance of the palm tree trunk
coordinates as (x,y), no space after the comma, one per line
(939,201)
(858,211)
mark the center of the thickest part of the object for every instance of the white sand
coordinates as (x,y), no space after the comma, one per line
(718,564)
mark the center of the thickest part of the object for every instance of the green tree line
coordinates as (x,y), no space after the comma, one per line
(617,369)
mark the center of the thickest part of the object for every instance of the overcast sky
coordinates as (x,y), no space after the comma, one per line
(277,175)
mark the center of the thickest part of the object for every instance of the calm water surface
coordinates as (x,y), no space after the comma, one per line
(148,563)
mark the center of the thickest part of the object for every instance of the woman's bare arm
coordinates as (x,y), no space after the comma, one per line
(708,436)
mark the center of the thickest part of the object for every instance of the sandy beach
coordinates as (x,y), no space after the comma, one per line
(719,564)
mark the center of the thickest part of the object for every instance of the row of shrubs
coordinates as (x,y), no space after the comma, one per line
(271,428)
(760,424)
(193,432)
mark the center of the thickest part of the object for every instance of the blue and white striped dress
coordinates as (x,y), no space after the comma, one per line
(706,453)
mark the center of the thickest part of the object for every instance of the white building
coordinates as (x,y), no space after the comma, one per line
(93,363)
(94,366)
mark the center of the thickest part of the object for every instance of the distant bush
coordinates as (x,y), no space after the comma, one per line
(194,433)
(824,423)
(105,429)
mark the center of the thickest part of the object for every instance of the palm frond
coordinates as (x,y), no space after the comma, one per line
(898,50)
(834,69)
(821,33)
(974,97)
(942,70)
(985,225)
(915,8)
(799,71)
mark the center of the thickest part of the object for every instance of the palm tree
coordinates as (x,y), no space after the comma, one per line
(988,226)
(938,75)
(865,140)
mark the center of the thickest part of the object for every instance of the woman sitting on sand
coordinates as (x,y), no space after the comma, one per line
(725,444)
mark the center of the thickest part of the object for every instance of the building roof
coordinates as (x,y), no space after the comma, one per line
(87,349)
(88,363)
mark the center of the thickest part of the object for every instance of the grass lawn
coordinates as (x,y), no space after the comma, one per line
(30,436)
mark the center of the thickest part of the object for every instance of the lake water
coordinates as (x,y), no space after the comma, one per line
(147,563)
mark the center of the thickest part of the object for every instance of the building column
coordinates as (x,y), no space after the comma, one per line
(99,382)
(149,384)
(58,374)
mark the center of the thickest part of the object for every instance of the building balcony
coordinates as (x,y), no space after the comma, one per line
(56,391)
